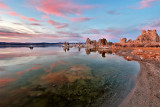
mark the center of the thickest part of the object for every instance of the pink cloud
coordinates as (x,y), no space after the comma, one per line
(33,20)
(80,19)
(59,7)
(12,34)
(24,37)
(53,22)
(146,3)
(57,24)
(61,26)
(12,13)
(3,6)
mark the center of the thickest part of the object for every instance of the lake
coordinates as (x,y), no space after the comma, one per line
(57,77)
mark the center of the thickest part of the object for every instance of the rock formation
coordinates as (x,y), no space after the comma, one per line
(94,42)
(147,37)
(79,44)
(130,41)
(102,42)
(123,40)
(88,41)
(91,44)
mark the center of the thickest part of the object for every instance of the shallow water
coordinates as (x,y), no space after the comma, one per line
(54,77)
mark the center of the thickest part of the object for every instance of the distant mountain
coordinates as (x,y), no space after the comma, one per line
(15,44)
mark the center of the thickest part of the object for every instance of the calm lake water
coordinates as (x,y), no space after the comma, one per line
(54,77)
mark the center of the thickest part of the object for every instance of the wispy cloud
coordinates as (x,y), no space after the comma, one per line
(80,19)
(113,12)
(146,3)
(93,31)
(154,24)
(59,7)
(69,34)
(57,24)
(3,6)
(35,24)
(23,17)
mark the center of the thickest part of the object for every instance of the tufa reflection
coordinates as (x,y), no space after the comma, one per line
(103,52)
(100,51)
(66,49)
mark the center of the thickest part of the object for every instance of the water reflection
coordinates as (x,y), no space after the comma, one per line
(103,52)
(31,48)
(45,77)
(66,49)
(79,49)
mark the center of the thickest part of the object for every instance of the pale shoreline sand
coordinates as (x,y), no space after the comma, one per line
(146,92)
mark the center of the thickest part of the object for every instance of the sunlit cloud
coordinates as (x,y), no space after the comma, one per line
(59,7)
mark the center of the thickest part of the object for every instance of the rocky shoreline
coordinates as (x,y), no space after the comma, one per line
(146,51)
(146,92)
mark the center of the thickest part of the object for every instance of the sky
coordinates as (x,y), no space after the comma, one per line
(76,20)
